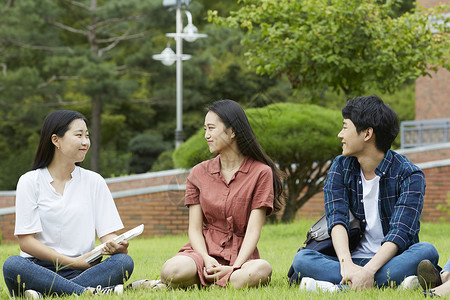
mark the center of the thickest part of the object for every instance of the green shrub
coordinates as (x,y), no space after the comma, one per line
(145,150)
(163,162)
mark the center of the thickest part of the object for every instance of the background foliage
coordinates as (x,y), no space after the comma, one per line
(54,55)
(350,46)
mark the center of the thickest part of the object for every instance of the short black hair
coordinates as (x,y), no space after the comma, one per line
(57,123)
(372,112)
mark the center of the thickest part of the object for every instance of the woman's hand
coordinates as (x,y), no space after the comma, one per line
(210,262)
(210,268)
(112,247)
(80,263)
(216,273)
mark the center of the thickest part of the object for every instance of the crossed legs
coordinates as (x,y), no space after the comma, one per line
(181,271)
(21,274)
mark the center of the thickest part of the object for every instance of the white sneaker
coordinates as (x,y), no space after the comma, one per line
(32,294)
(410,283)
(312,285)
(148,284)
(109,290)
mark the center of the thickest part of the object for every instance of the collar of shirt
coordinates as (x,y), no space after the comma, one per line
(385,164)
(382,168)
(48,177)
(214,167)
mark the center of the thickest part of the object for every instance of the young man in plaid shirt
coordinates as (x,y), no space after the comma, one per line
(385,191)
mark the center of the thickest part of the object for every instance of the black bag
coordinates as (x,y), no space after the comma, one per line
(317,238)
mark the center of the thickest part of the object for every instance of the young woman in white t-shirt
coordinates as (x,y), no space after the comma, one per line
(59,209)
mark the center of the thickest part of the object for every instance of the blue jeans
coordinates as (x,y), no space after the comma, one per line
(310,263)
(30,273)
(446,267)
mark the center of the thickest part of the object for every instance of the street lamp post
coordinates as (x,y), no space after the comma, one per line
(168,57)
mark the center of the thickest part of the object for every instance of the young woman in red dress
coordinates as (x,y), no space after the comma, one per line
(229,198)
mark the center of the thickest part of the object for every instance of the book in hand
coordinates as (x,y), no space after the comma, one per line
(97,252)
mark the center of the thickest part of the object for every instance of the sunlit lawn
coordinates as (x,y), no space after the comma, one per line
(278,245)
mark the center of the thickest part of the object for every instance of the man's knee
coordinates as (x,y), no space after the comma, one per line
(427,251)
(303,257)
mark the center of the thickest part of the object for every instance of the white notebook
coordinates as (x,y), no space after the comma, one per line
(118,239)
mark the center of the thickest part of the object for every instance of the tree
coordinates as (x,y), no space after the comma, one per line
(352,46)
(146,148)
(44,67)
(70,53)
(300,138)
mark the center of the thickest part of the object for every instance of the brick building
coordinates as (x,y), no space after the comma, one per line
(432,94)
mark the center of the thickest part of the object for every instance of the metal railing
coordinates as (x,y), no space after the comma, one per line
(424,132)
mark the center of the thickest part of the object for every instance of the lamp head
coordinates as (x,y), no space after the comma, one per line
(190,32)
(167,56)
(175,3)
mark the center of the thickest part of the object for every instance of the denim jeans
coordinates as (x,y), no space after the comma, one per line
(310,263)
(30,273)
(446,267)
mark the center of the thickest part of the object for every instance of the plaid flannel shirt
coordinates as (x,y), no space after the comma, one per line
(400,202)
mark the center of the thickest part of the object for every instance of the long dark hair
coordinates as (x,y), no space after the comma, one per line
(232,115)
(57,123)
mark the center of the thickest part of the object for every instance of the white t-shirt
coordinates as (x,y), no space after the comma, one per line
(373,235)
(66,223)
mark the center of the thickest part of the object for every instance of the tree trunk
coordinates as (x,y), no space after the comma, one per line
(96,112)
(291,206)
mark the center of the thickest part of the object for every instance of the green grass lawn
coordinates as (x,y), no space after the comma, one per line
(278,245)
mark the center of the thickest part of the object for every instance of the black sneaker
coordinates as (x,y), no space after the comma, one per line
(429,277)
(109,290)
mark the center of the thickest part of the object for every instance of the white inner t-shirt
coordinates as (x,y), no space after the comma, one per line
(373,235)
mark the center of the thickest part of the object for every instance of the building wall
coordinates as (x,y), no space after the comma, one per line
(162,210)
(431,3)
(7,199)
(162,213)
(432,94)
(132,182)
(427,153)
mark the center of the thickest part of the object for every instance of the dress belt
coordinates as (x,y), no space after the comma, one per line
(229,234)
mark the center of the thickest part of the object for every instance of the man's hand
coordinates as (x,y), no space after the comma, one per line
(348,268)
(357,278)
(363,280)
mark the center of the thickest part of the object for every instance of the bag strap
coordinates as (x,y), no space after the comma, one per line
(319,230)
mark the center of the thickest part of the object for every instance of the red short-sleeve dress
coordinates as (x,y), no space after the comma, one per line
(226,208)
